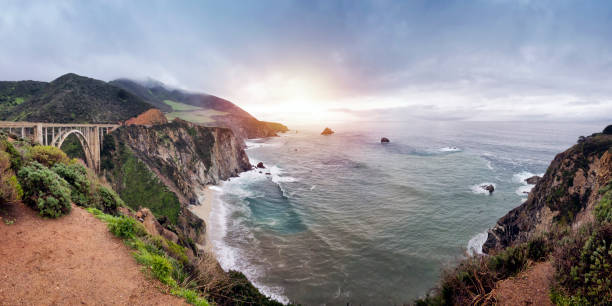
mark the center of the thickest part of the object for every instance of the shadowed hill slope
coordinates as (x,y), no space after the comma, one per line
(68,99)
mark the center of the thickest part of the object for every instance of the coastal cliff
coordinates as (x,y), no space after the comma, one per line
(166,167)
(566,194)
(555,248)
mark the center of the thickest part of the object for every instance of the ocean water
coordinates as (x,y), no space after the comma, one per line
(345,219)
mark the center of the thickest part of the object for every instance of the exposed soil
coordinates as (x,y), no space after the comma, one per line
(70,260)
(530,287)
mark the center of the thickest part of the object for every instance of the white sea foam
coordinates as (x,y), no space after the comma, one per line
(277,178)
(231,258)
(475,244)
(260,143)
(478,189)
(520,178)
(489,165)
(216,189)
(450,149)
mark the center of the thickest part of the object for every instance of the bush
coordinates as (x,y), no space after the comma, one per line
(125,227)
(44,190)
(509,261)
(76,175)
(10,190)
(537,249)
(48,155)
(584,264)
(603,209)
(15,156)
(107,200)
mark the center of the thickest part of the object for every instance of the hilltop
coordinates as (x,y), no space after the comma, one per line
(200,108)
(68,99)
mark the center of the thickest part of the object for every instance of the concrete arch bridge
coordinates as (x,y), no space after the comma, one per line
(54,134)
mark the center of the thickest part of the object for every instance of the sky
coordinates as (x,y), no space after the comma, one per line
(333,60)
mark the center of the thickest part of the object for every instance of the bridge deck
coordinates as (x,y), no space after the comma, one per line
(6,124)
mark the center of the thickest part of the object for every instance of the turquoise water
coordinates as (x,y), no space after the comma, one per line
(345,219)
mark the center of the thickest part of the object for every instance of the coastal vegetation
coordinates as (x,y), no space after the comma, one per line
(49,182)
(580,253)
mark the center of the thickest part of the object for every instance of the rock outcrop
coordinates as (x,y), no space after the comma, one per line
(151,117)
(327,131)
(533,180)
(566,194)
(384,140)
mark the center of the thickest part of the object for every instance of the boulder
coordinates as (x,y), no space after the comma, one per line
(327,131)
(260,165)
(489,188)
(384,140)
(533,180)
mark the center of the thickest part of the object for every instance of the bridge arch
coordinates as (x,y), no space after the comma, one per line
(59,140)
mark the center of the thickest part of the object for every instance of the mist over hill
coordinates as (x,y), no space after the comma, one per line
(200,108)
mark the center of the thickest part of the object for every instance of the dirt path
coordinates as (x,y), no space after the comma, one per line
(70,260)
(530,287)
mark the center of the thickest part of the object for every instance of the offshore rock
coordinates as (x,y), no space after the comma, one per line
(489,188)
(327,131)
(384,140)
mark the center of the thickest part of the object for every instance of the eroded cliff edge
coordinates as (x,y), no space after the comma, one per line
(566,194)
(166,167)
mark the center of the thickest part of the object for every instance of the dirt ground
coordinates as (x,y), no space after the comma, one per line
(73,260)
(530,287)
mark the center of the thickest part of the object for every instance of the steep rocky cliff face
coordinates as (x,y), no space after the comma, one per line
(165,168)
(565,195)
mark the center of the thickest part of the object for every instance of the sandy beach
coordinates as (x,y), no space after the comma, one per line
(203,211)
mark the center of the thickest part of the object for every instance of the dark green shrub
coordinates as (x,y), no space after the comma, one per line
(48,155)
(44,190)
(584,265)
(537,249)
(603,209)
(509,261)
(76,175)
(107,200)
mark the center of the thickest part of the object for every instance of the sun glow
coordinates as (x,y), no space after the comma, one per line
(295,98)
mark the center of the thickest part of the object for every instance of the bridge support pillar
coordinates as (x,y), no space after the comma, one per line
(38,133)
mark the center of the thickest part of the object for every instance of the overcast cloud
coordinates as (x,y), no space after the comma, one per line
(471,60)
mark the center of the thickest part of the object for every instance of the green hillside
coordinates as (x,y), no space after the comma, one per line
(69,98)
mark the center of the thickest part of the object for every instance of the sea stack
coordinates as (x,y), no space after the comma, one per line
(327,131)
(384,140)
(489,188)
